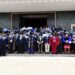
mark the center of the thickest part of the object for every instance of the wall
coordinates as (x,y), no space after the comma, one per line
(15,21)
(5,20)
(50,20)
(65,19)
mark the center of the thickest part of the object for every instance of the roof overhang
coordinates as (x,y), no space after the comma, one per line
(36,5)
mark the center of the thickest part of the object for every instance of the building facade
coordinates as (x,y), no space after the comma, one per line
(57,12)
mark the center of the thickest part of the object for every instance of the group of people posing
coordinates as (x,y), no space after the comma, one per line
(37,40)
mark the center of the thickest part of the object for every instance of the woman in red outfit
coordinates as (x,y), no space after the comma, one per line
(54,42)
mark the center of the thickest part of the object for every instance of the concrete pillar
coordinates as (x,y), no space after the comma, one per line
(55,16)
(11,22)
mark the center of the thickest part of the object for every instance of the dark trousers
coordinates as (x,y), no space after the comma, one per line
(35,47)
(30,49)
(73,48)
(11,48)
(0,50)
(25,47)
(3,50)
(59,48)
(20,48)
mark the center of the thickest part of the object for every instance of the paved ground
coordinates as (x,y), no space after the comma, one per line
(43,55)
(37,65)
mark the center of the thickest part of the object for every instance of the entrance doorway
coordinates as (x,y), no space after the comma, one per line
(33,21)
